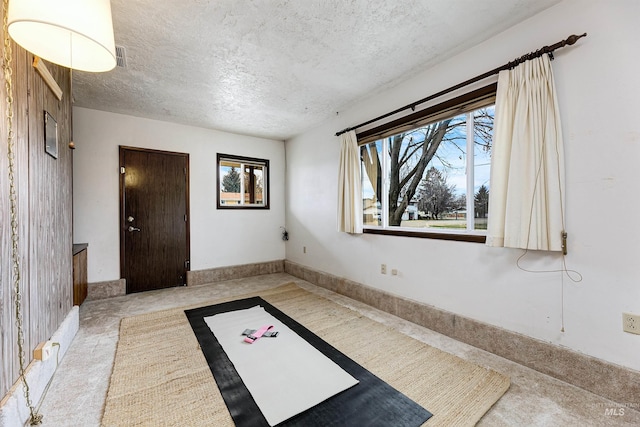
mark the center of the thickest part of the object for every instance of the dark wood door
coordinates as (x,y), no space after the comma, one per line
(154,218)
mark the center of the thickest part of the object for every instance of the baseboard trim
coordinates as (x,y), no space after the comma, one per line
(108,289)
(212,275)
(13,407)
(115,288)
(603,378)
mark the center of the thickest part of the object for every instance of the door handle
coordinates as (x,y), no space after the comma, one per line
(132,228)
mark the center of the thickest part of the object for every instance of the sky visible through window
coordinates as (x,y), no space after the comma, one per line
(451,161)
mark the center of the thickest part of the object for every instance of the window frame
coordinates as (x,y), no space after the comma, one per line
(243,160)
(462,104)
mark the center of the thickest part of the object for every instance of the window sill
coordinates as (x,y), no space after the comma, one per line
(474,238)
(243,207)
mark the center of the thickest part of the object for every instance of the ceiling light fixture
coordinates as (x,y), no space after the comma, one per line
(76,34)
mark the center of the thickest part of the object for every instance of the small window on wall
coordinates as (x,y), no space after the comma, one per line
(243,182)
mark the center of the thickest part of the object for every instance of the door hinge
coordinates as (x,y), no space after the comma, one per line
(185,218)
(121,169)
(186,264)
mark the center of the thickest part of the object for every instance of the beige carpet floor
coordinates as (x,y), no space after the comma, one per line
(161,378)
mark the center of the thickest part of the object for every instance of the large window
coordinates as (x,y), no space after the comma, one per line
(429,173)
(243,182)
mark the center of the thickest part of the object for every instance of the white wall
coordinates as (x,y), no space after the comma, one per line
(218,237)
(598,92)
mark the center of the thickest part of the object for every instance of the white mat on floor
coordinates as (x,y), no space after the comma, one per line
(285,375)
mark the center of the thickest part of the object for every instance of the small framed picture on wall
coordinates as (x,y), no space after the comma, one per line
(50,135)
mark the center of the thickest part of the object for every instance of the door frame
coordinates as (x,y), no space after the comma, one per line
(122,210)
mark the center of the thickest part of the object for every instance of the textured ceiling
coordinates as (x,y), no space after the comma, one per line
(275,68)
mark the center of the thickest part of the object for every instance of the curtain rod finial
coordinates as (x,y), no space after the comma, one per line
(573,38)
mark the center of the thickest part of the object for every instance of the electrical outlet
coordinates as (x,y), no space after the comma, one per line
(631,323)
(383,268)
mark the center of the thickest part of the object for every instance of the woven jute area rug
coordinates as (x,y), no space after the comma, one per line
(160,376)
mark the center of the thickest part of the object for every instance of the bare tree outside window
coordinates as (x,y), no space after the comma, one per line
(426,169)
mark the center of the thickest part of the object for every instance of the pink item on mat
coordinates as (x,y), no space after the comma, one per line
(257,334)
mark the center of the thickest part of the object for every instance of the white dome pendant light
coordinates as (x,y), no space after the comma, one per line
(76,34)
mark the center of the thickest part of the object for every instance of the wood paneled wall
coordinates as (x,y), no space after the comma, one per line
(44,186)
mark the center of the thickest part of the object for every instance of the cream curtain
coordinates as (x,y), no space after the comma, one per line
(526,199)
(349,186)
(371,165)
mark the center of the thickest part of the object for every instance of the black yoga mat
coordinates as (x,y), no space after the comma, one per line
(372,402)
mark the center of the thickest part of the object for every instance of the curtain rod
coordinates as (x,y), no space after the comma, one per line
(546,49)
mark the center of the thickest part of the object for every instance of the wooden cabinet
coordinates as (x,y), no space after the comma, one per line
(79,273)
